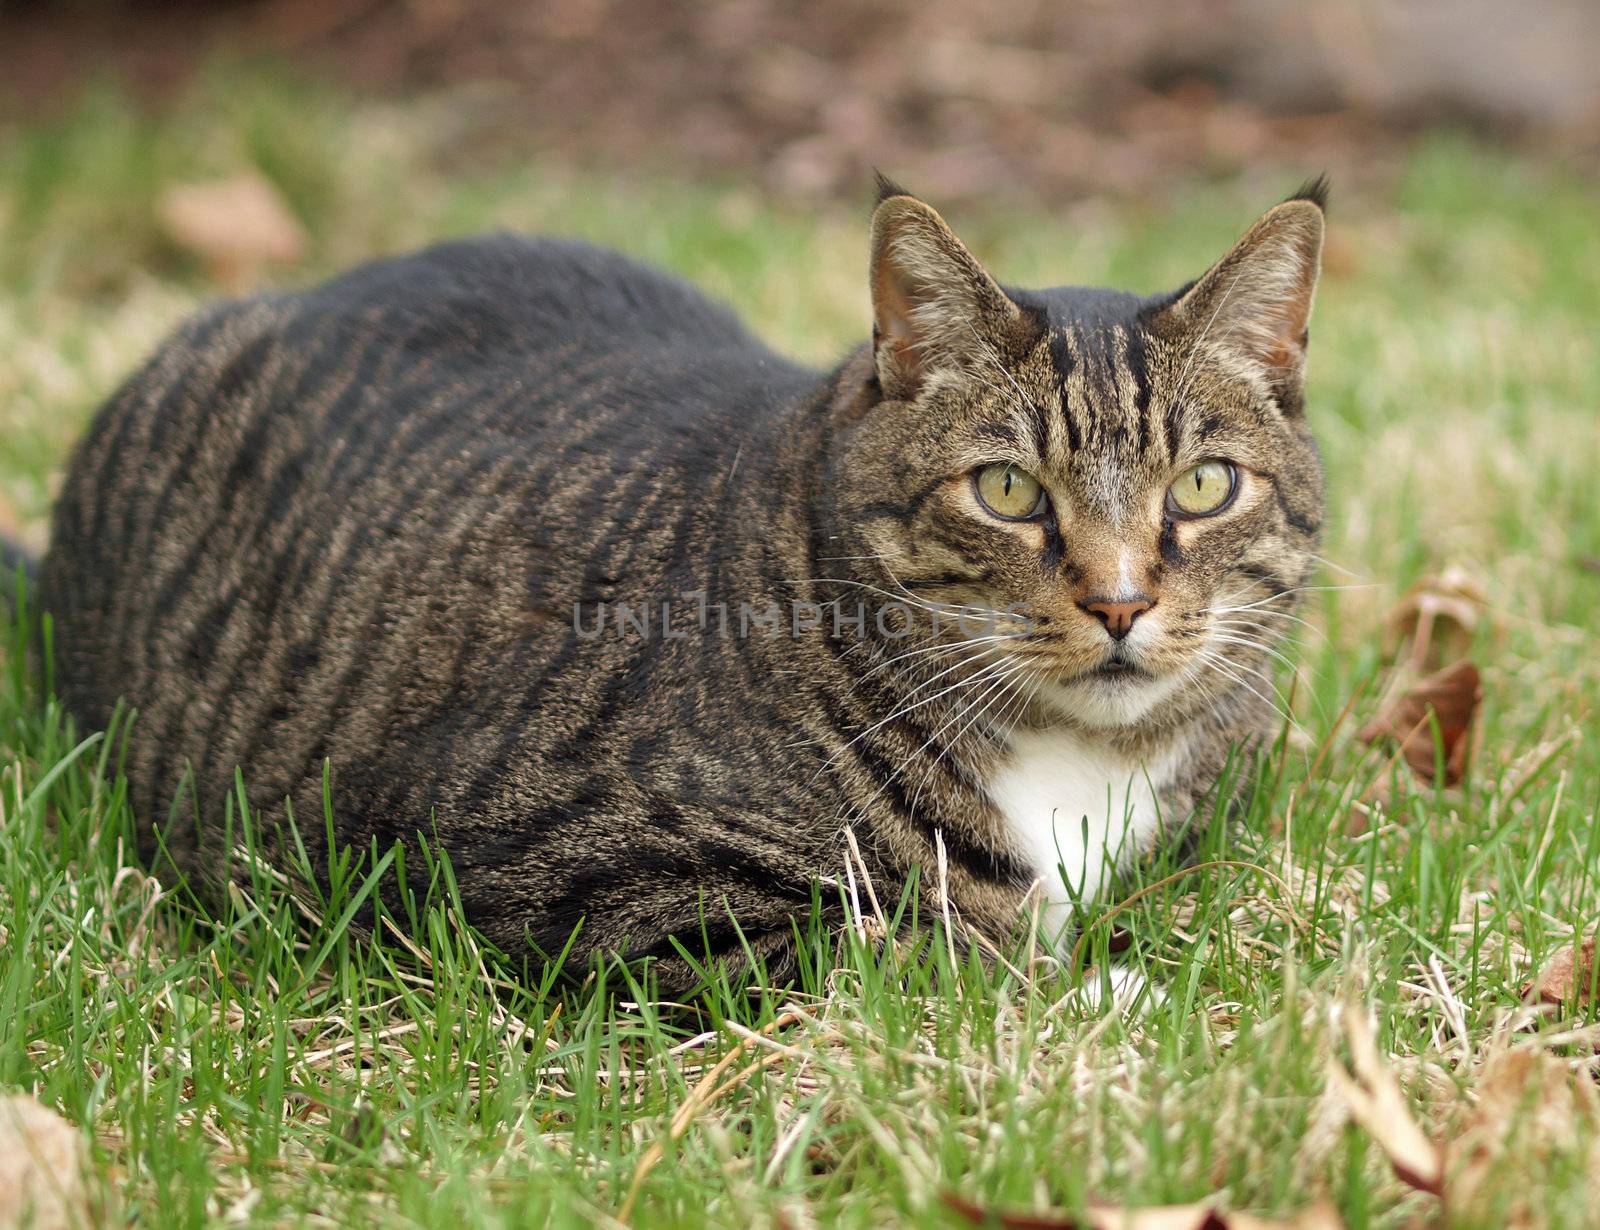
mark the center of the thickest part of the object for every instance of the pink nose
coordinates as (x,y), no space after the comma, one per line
(1118,617)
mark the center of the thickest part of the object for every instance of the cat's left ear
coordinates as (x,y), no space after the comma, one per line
(1252,308)
(933,305)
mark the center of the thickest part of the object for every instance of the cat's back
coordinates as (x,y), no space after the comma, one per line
(314,515)
(511,297)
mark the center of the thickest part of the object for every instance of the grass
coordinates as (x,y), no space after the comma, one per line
(271,1065)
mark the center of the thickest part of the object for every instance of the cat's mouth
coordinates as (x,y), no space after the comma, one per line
(1118,668)
(1115,693)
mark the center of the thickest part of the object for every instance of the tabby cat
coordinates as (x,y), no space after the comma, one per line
(549,557)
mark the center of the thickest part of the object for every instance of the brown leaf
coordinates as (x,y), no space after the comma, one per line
(1436,619)
(1163,1217)
(41,1168)
(1569,977)
(237,227)
(1533,1113)
(1452,696)
(1375,1101)
(978,1215)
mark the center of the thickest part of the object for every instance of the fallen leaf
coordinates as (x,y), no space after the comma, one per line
(1163,1217)
(1569,977)
(1451,696)
(238,228)
(978,1215)
(1533,1112)
(41,1168)
(1373,1097)
(1436,619)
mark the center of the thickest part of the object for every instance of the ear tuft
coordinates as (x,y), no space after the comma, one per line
(1315,190)
(887,188)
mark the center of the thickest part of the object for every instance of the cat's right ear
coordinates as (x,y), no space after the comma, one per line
(933,304)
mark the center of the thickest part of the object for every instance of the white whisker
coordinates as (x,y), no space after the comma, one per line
(1261,612)
(1244,642)
(1224,667)
(977,706)
(902,710)
(939,650)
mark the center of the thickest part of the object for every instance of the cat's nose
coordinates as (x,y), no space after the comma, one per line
(1118,617)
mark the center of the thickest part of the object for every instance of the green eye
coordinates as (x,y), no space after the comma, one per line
(1009,492)
(1202,490)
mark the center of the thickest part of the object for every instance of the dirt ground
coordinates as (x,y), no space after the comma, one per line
(1027,100)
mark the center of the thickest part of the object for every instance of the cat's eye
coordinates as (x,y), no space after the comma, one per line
(1009,491)
(1202,490)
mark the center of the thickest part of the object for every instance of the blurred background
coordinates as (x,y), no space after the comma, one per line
(1034,101)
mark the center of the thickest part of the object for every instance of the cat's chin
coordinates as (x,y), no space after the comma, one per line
(1107,700)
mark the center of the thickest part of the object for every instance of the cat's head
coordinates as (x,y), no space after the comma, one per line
(1135,475)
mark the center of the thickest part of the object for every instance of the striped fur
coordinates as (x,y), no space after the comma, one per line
(355,524)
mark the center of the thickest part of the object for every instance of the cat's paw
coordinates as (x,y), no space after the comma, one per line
(1121,988)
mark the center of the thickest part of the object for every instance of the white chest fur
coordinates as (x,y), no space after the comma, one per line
(1077,810)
